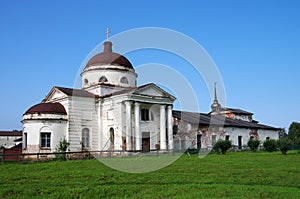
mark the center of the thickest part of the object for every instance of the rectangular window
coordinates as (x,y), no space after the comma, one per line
(45,140)
(25,141)
(227,137)
(213,139)
(145,114)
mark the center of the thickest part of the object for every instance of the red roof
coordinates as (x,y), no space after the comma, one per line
(49,108)
(109,57)
(11,133)
(76,92)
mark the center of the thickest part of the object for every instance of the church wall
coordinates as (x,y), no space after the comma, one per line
(113,117)
(33,129)
(113,77)
(82,114)
(151,126)
(187,135)
(268,133)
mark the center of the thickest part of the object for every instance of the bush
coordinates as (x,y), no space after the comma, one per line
(270,145)
(222,146)
(284,144)
(253,144)
(62,147)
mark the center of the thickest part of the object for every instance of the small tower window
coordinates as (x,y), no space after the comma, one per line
(103,79)
(124,80)
(86,81)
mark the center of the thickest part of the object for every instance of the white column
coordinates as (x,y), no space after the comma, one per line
(137,126)
(163,128)
(128,126)
(170,128)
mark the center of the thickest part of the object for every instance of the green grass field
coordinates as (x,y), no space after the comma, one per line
(234,175)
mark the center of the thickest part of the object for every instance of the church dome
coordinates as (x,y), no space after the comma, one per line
(47,108)
(107,57)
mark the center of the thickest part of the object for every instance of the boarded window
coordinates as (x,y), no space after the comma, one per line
(85,138)
(213,139)
(25,141)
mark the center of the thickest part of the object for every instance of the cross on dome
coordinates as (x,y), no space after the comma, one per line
(107,33)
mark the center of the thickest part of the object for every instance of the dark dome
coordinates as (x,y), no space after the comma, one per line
(109,57)
(49,108)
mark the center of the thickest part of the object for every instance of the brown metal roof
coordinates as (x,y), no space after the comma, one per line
(76,92)
(11,133)
(109,57)
(236,111)
(49,108)
(206,119)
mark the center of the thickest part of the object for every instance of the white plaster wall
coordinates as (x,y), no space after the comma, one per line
(190,130)
(113,77)
(263,134)
(33,128)
(8,141)
(83,114)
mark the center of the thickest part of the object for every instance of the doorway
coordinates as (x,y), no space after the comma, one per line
(240,142)
(199,136)
(146,141)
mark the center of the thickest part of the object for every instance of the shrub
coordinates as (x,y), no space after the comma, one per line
(270,145)
(284,144)
(222,146)
(253,144)
(62,147)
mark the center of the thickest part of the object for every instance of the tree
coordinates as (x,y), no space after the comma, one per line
(253,144)
(62,147)
(294,131)
(284,144)
(222,146)
(297,144)
(270,145)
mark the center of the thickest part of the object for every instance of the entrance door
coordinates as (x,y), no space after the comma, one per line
(199,141)
(240,142)
(146,141)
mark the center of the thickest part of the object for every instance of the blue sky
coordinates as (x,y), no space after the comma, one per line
(255,45)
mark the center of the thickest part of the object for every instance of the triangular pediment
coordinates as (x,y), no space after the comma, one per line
(55,95)
(152,90)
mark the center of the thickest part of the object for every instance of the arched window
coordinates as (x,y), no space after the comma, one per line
(124,80)
(103,79)
(85,138)
(45,137)
(112,137)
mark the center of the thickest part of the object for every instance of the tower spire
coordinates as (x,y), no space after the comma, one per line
(216,99)
(215,107)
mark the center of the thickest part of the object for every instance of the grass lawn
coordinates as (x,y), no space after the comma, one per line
(234,175)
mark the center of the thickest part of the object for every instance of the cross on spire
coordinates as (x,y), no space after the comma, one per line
(107,33)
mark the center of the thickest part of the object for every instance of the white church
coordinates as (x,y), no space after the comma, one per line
(111,112)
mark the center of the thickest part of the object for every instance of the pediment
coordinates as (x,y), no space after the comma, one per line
(152,90)
(54,95)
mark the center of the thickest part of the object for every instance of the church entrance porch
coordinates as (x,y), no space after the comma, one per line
(146,141)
